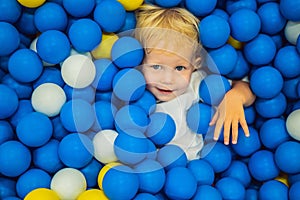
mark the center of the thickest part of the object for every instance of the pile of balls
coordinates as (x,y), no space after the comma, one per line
(76,120)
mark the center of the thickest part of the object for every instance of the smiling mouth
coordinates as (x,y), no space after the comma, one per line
(164,91)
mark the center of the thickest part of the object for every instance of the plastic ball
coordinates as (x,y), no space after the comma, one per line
(161,128)
(294,193)
(292,124)
(202,171)
(46,157)
(200,8)
(131,5)
(6,131)
(50,16)
(287,61)
(68,183)
(290,9)
(23,90)
(103,50)
(80,8)
(286,157)
(118,182)
(232,5)
(25,65)
(77,115)
(291,31)
(131,149)
(48,99)
(105,112)
(127,52)
(247,145)
(274,190)
(167,4)
(213,88)
(262,166)
(75,150)
(23,109)
(104,146)
(9,101)
(11,11)
(290,88)
(7,187)
(86,94)
(298,44)
(9,38)
(31,4)
(266,82)
(147,102)
(53,46)
(90,172)
(180,177)
(270,108)
(78,71)
(238,170)
(129,25)
(240,69)
(207,192)
(105,14)
(32,179)
(276,126)
(40,127)
(85,35)
(217,155)
(231,188)
(42,194)
(49,75)
(15,158)
(170,156)
(145,196)
(92,194)
(151,176)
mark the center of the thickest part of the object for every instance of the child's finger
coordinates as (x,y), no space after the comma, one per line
(214,119)
(235,132)
(226,132)
(218,128)
(245,128)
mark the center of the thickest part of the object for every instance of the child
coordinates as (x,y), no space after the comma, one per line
(171,65)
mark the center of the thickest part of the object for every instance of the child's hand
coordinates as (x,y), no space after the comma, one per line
(230,113)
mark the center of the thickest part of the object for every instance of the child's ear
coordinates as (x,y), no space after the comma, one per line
(197,62)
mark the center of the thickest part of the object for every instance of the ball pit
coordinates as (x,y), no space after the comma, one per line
(72,103)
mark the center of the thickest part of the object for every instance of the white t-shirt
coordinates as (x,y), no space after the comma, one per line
(177,108)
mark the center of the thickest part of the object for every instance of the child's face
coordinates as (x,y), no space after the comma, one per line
(167,74)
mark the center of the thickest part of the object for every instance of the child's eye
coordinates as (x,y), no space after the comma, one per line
(180,68)
(156,67)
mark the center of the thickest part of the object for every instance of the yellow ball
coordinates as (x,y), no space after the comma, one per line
(235,43)
(31,3)
(103,50)
(42,194)
(92,194)
(104,170)
(283,178)
(131,5)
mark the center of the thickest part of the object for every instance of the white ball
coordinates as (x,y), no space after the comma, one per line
(68,183)
(293,125)
(78,71)
(292,31)
(104,146)
(48,98)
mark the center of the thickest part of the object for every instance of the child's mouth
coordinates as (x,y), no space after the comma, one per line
(164,91)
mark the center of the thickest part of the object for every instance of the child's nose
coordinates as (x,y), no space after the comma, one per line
(167,77)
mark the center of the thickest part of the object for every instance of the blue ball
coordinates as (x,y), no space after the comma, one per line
(7,187)
(85,35)
(130,23)
(272,25)
(213,88)
(287,61)
(11,198)
(87,93)
(202,171)
(261,50)
(262,166)
(15,158)
(277,127)
(250,114)
(294,191)
(170,156)
(290,9)
(32,179)
(200,8)
(91,172)
(105,112)
(273,189)
(240,69)
(6,131)
(147,102)
(298,44)
(26,24)
(251,194)
(105,72)
(105,14)
(217,155)
(238,170)
(77,115)
(144,196)
(127,52)
(11,11)
(214,31)
(270,108)
(161,128)
(23,109)
(286,157)
(49,75)
(290,88)
(198,117)
(167,3)
(266,82)
(9,38)
(180,177)
(79,8)
(222,60)
(53,46)
(231,188)
(131,148)
(207,192)
(9,101)
(76,150)
(247,145)
(46,157)
(58,130)
(129,84)
(151,175)
(131,117)
(245,25)
(233,5)
(50,16)
(24,65)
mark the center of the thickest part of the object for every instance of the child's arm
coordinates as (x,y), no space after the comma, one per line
(230,112)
